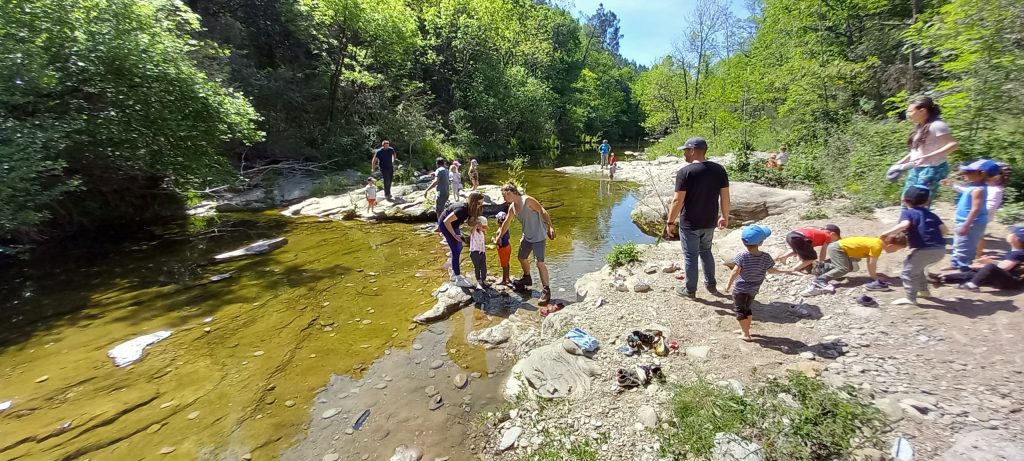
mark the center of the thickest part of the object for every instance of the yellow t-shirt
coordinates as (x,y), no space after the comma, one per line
(861,247)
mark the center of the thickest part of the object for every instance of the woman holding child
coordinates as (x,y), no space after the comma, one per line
(930,145)
(451,219)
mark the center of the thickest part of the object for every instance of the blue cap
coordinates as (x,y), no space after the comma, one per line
(500,216)
(1018,231)
(754,234)
(983,165)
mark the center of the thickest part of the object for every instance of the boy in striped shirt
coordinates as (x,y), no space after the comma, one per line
(751,268)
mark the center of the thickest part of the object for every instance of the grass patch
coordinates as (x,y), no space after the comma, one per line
(814,213)
(623,254)
(580,450)
(823,424)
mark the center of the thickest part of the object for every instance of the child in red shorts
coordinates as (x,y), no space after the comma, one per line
(504,251)
(371,194)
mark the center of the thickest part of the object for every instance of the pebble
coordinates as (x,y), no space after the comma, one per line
(167,450)
(331,457)
(247,457)
(474,375)
(270,400)
(330,413)
(193,415)
(807,355)
(380,386)
(367,321)
(42,378)
(460,381)
(257,353)
(435,402)
(436,364)
(165,405)
(154,428)
(509,437)
(289,403)
(349,431)
(431,391)
(417,346)
(699,352)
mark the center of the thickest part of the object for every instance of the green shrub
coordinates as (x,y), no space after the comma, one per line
(331,185)
(623,254)
(516,172)
(814,213)
(815,421)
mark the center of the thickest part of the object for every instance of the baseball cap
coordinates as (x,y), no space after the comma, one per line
(370,179)
(917,194)
(1017,231)
(983,165)
(695,142)
(755,234)
(500,216)
(833,229)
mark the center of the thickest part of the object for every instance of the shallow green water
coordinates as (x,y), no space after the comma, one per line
(331,301)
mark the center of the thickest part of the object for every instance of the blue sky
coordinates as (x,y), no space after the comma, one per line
(649,26)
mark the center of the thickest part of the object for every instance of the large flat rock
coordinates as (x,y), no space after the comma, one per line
(409,205)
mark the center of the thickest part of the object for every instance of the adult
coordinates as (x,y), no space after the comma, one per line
(930,145)
(443,184)
(701,186)
(537,228)
(451,219)
(604,149)
(385,159)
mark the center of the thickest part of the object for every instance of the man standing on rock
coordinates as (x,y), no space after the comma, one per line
(537,229)
(384,159)
(700,186)
(604,149)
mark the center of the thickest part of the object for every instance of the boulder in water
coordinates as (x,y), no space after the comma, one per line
(258,248)
(450,299)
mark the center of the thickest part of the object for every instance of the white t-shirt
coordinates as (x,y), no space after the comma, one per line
(931,144)
(371,191)
(782,157)
(993,200)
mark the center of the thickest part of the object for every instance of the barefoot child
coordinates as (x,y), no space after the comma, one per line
(478,252)
(371,194)
(456,179)
(844,252)
(613,164)
(803,241)
(971,213)
(474,174)
(924,237)
(1006,275)
(504,251)
(751,268)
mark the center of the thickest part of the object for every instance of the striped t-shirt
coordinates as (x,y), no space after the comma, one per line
(753,269)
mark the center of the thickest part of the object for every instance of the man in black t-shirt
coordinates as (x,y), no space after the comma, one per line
(700,186)
(384,159)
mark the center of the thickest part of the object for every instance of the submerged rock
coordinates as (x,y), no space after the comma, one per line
(493,336)
(257,248)
(450,299)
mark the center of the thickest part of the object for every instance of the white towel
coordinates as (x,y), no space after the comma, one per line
(130,351)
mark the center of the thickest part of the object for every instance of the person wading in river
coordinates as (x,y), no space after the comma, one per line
(451,219)
(700,186)
(537,229)
(385,159)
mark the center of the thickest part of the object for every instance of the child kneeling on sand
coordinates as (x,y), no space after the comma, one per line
(751,268)
(925,237)
(845,252)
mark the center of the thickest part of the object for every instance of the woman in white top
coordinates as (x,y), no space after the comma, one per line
(930,145)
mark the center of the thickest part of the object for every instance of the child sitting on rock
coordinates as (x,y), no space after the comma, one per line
(751,268)
(1006,275)
(803,241)
(477,251)
(842,255)
(371,194)
(925,237)
(504,251)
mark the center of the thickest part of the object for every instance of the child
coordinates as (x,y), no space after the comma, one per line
(477,251)
(782,158)
(751,268)
(802,242)
(844,252)
(971,213)
(504,251)
(1007,274)
(474,174)
(371,194)
(455,178)
(924,237)
(613,164)
(994,198)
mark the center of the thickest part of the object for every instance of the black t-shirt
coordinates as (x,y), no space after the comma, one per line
(1016,256)
(703,183)
(461,211)
(385,158)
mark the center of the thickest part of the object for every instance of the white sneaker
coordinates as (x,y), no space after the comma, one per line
(904,302)
(811,290)
(461,282)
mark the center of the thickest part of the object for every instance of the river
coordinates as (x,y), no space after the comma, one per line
(248,354)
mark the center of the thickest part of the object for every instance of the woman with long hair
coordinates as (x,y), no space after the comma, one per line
(451,219)
(930,145)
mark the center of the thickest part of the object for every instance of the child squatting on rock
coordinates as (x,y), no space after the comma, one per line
(925,237)
(751,268)
(802,242)
(844,252)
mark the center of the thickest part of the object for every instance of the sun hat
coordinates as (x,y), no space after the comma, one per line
(833,229)
(983,165)
(755,234)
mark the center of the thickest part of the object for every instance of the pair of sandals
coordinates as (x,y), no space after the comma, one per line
(641,375)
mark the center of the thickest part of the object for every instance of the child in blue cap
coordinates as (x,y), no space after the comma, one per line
(971,213)
(751,268)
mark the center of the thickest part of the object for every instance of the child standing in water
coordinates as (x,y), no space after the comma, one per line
(474,174)
(504,251)
(371,194)
(456,179)
(478,251)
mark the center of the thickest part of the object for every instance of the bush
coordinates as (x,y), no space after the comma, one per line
(814,213)
(815,421)
(623,254)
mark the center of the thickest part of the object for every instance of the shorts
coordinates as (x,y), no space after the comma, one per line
(504,255)
(525,248)
(371,201)
(802,246)
(741,304)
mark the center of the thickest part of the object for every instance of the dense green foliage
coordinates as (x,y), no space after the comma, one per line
(831,80)
(791,418)
(623,254)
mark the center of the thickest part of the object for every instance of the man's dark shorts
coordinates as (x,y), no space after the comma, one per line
(802,246)
(537,248)
(741,304)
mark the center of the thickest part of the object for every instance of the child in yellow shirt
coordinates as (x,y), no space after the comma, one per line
(844,252)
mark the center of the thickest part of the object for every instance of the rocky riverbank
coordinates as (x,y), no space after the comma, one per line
(409,204)
(946,373)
